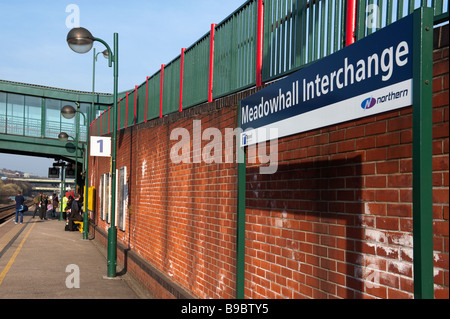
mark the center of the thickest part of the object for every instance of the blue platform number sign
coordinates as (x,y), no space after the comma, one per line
(100,146)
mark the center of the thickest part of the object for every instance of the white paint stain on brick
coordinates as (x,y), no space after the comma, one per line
(401,267)
(144,168)
(436,257)
(404,240)
(283,221)
(408,252)
(221,284)
(376,235)
(170,271)
(367,209)
(389,251)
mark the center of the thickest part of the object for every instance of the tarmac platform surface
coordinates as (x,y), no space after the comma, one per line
(40,260)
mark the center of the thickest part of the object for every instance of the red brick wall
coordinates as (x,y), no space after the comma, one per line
(334,221)
(441,161)
(182,216)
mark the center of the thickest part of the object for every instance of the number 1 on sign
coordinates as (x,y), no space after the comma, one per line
(101,145)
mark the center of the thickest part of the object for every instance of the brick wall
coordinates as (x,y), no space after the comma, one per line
(181,216)
(334,221)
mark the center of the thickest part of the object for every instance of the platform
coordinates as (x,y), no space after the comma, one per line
(39,259)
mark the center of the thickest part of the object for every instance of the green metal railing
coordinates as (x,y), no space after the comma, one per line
(154,84)
(298,32)
(196,68)
(295,34)
(376,14)
(235,51)
(171,86)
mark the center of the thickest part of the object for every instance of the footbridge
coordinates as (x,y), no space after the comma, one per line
(31,120)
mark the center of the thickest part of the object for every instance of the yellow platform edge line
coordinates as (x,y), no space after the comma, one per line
(13,258)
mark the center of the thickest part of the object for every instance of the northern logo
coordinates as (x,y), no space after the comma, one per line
(368,103)
(244,139)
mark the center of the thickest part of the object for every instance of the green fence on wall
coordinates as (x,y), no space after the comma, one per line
(295,34)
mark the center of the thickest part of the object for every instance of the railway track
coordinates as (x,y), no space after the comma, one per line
(8,211)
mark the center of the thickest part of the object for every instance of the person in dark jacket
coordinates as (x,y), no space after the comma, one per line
(43,207)
(19,206)
(75,212)
(36,202)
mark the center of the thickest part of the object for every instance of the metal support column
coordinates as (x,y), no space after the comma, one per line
(422,153)
(240,231)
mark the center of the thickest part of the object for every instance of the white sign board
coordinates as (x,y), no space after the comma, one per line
(371,76)
(100,146)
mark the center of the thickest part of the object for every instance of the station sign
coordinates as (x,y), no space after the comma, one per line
(100,146)
(371,76)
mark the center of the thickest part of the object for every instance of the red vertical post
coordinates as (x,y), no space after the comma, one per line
(146,98)
(100,122)
(351,22)
(211,63)
(181,80)
(135,103)
(259,43)
(126,110)
(161,90)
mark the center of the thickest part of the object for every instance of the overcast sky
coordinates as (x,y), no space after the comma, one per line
(151,32)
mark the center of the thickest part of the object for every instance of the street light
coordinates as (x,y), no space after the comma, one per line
(81,40)
(63,137)
(68,111)
(90,115)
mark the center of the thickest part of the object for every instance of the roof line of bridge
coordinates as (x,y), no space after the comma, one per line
(54,93)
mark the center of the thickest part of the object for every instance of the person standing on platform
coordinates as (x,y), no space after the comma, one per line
(43,207)
(37,201)
(55,204)
(19,207)
(64,201)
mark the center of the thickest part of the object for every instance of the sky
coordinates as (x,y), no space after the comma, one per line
(33,47)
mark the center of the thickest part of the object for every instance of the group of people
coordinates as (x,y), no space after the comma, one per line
(45,204)
(71,209)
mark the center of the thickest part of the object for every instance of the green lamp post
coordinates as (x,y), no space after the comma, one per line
(68,112)
(81,40)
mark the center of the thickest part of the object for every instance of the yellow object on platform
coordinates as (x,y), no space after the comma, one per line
(81,226)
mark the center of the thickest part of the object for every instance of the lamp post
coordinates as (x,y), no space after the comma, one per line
(91,115)
(69,112)
(64,137)
(62,191)
(81,40)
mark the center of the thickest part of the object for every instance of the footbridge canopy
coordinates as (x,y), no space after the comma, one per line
(30,119)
